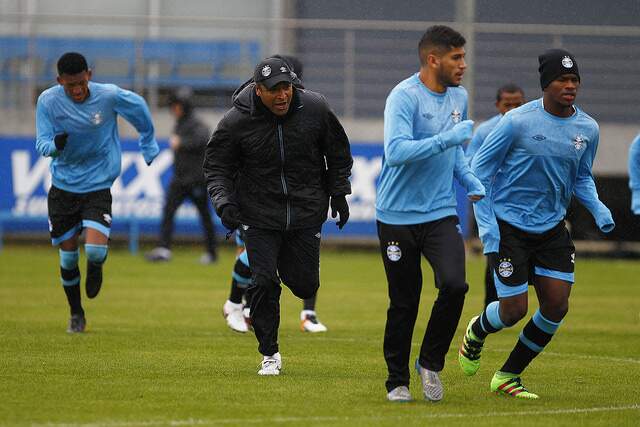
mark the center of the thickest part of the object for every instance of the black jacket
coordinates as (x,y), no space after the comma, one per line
(279,171)
(194,135)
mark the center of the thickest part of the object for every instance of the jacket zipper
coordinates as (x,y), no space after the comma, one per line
(284,182)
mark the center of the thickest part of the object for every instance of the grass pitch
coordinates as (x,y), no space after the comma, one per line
(158,353)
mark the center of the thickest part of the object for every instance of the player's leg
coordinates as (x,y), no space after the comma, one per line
(401,258)
(65,226)
(511,277)
(263,250)
(201,201)
(299,261)
(96,219)
(442,245)
(175,196)
(554,276)
(232,309)
(309,321)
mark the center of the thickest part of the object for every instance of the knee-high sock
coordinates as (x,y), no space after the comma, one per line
(489,321)
(532,340)
(96,254)
(241,277)
(70,275)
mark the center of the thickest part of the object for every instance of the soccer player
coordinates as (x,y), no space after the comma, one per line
(190,136)
(235,311)
(536,158)
(634,175)
(76,124)
(276,162)
(508,97)
(425,125)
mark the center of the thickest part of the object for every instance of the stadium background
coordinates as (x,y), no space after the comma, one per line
(353,52)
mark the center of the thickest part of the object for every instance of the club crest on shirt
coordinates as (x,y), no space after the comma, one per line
(456,116)
(505,268)
(96,118)
(394,253)
(579,142)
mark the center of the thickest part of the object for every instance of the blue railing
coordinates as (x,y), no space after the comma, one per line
(127,62)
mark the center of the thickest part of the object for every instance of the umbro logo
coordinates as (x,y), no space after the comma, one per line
(539,137)
(427,116)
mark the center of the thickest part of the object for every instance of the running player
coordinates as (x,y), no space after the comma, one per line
(536,158)
(76,125)
(634,175)
(424,128)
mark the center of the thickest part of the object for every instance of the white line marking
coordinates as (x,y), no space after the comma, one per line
(195,422)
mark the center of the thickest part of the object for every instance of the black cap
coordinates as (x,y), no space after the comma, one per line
(554,63)
(272,71)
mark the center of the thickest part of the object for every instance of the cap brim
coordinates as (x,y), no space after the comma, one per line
(272,81)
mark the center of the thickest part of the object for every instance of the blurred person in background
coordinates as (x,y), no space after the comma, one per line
(188,142)
(508,97)
(634,175)
(235,310)
(276,162)
(425,126)
(534,160)
(76,125)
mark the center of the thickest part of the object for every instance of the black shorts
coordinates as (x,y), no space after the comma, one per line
(69,213)
(524,255)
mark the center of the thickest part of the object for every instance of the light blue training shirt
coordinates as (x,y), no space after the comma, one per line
(531,164)
(480,134)
(91,160)
(634,175)
(416,181)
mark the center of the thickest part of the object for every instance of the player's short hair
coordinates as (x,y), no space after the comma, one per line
(508,88)
(72,63)
(440,38)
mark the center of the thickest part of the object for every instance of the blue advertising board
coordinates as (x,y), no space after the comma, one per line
(140,190)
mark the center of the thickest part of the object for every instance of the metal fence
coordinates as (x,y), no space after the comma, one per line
(356,63)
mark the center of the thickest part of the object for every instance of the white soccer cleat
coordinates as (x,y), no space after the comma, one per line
(309,322)
(233,314)
(399,394)
(431,384)
(270,365)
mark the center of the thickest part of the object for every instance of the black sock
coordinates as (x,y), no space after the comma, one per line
(73,297)
(235,296)
(532,340)
(310,303)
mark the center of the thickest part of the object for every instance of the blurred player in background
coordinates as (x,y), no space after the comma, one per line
(276,162)
(425,125)
(76,125)
(234,310)
(508,97)
(189,139)
(634,175)
(535,159)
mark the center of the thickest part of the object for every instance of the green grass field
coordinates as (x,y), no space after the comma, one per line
(158,353)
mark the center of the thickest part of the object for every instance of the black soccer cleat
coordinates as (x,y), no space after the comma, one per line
(94,279)
(77,323)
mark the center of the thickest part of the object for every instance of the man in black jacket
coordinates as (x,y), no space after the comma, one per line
(190,136)
(277,160)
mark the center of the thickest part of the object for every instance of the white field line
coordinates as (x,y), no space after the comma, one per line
(306,420)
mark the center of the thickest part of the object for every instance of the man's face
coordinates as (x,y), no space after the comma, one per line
(177,110)
(76,86)
(509,101)
(451,66)
(564,89)
(277,99)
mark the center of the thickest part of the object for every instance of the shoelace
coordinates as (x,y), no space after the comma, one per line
(472,348)
(312,318)
(268,362)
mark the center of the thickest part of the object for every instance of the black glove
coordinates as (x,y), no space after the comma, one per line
(60,140)
(230,217)
(339,206)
